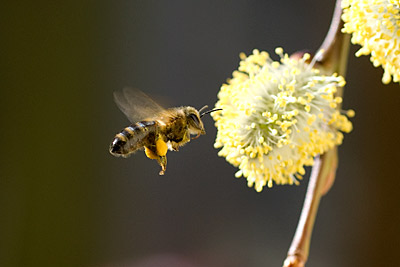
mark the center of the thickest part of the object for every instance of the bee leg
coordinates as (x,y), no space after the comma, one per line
(162,160)
(186,138)
(197,136)
(175,146)
(162,149)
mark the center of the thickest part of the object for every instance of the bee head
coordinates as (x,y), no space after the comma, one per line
(194,121)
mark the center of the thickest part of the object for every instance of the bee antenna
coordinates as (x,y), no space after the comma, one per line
(203,108)
(209,111)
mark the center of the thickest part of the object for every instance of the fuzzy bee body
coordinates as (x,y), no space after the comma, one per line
(132,138)
(164,129)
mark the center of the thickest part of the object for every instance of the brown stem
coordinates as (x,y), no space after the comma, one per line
(333,58)
(335,46)
(298,252)
(299,249)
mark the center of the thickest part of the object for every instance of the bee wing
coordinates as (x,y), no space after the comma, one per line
(136,105)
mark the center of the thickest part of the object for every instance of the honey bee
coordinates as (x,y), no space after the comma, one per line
(154,128)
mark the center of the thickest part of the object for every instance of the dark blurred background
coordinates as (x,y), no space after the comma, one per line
(65,201)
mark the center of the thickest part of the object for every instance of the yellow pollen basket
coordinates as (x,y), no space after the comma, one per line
(162,147)
(150,154)
(161,150)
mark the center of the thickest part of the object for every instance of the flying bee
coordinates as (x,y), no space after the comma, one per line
(154,128)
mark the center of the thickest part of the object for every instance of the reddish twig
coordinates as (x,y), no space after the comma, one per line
(332,59)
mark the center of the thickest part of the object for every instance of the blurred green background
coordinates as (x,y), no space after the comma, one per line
(65,201)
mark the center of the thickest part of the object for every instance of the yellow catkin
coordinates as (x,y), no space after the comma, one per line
(277,115)
(374,25)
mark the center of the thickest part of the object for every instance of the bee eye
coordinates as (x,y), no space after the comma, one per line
(195,119)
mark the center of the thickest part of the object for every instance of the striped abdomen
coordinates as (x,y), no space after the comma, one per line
(132,138)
